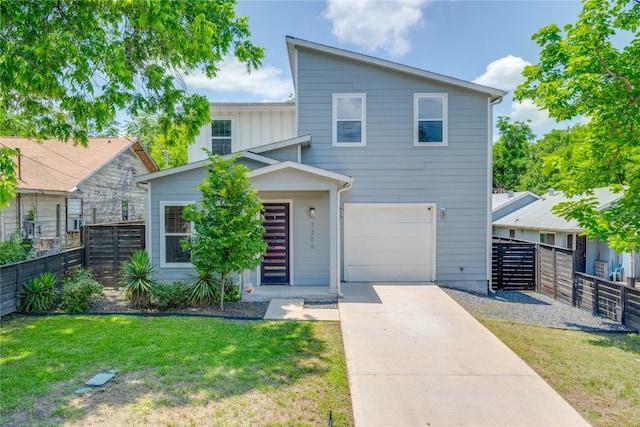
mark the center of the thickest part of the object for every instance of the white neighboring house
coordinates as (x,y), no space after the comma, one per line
(537,223)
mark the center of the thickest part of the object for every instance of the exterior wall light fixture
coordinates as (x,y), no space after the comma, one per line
(312,213)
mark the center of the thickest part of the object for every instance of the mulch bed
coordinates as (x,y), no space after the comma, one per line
(114,301)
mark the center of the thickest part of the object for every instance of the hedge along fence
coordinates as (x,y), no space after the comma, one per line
(13,276)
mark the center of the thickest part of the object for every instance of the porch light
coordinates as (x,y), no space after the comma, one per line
(312,213)
(442,212)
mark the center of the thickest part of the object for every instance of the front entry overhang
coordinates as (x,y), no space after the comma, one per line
(290,176)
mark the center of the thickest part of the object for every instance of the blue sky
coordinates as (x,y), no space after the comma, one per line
(488,42)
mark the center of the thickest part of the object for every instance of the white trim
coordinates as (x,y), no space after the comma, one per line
(302,140)
(445,119)
(288,164)
(334,120)
(489,255)
(149,225)
(162,234)
(291,252)
(234,144)
(294,44)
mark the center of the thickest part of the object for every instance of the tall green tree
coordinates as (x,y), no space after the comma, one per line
(227,221)
(548,154)
(511,153)
(67,66)
(588,69)
(167,148)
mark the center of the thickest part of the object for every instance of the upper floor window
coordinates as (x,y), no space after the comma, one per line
(221,136)
(174,229)
(349,119)
(430,119)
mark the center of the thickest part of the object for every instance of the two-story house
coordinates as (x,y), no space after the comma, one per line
(378,172)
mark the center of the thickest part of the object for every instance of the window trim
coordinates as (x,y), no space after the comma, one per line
(547,234)
(163,235)
(233,131)
(445,119)
(334,120)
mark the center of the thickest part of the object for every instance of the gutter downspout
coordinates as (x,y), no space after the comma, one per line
(346,187)
(492,103)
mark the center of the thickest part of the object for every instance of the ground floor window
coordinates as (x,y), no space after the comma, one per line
(548,238)
(174,229)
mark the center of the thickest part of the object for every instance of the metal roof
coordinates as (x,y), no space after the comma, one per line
(538,215)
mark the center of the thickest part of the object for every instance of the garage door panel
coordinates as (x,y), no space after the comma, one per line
(389,229)
(386,273)
(389,242)
(363,245)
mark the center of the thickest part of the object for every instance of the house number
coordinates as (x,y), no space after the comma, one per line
(312,237)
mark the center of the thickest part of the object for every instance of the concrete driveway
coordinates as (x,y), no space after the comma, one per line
(416,358)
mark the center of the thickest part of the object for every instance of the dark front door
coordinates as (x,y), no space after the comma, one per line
(275,267)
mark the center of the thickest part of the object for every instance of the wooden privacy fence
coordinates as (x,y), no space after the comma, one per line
(513,266)
(610,299)
(555,272)
(107,246)
(13,276)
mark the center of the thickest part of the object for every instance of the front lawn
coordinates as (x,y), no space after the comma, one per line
(172,371)
(597,373)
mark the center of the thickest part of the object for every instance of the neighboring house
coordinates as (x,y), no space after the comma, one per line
(378,172)
(505,203)
(62,186)
(537,223)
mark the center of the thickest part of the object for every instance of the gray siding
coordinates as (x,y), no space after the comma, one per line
(174,188)
(391,170)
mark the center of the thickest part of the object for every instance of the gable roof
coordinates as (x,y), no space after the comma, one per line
(251,153)
(539,216)
(294,43)
(60,167)
(500,200)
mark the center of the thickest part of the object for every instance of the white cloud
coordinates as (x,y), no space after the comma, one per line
(525,111)
(375,25)
(504,73)
(267,82)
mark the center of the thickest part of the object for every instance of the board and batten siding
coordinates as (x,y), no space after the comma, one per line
(250,129)
(390,169)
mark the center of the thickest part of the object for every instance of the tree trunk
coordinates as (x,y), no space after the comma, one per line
(222,279)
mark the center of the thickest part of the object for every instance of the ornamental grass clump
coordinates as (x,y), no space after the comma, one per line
(39,294)
(136,279)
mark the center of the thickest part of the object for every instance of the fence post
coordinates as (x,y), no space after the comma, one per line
(596,297)
(624,295)
(86,253)
(555,273)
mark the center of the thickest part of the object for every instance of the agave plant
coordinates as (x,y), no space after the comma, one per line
(205,289)
(40,293)
(136,279)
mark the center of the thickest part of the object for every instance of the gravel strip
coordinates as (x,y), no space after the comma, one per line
(531,308)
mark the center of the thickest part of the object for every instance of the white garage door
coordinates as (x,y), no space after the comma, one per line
(389,242)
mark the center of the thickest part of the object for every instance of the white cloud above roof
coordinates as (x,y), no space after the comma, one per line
(267,82)
(375,25)
(504,73)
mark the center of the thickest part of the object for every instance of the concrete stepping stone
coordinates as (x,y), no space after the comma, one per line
(99,380)
(83,390)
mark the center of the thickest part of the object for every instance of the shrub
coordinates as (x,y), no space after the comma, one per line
(136,278)
(40,293)
(170,295)
(78,288)
(206,289)
(15,249)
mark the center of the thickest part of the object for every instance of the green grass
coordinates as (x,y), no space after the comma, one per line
(597,373)
(172,371)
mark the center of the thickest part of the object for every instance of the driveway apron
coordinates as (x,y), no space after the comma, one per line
(417,358)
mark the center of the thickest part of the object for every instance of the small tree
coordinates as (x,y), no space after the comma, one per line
(227,221)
